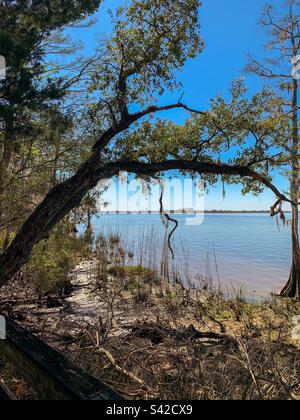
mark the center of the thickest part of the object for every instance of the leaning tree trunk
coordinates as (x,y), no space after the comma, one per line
(58,203)
(292,289)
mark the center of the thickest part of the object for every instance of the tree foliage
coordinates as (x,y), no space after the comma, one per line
(115,129)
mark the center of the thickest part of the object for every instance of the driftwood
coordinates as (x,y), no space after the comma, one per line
(158,334)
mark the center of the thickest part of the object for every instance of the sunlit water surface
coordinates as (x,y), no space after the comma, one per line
(249,250)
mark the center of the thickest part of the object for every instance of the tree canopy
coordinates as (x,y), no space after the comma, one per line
(116,128)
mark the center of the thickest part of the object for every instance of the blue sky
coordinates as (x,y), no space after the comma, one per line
(231,32)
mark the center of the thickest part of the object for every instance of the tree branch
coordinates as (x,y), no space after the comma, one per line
(141,168)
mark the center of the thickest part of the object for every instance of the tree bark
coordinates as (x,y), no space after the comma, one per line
(292,289)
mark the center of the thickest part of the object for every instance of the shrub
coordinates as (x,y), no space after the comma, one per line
(53,259)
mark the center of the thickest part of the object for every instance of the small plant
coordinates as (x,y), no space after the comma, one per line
(114,239)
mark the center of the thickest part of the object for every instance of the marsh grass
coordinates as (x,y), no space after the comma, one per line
(177,336)
(187,339)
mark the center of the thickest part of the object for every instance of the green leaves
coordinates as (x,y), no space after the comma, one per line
(240,132)
(151,39)
(25,30)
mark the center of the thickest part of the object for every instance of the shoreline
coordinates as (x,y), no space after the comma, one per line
(133,331)
(149,338)
(157,213)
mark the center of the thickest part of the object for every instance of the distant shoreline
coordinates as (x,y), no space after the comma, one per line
(191,213)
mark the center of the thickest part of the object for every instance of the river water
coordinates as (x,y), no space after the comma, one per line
(237,250)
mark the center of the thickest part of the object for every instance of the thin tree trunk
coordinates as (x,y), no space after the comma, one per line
(7,238)
(292,289)
(8,149)
(5,160)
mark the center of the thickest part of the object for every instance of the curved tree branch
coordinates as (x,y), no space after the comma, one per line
(141,168)
(69,194)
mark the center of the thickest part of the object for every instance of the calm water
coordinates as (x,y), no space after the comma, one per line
(248,250)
